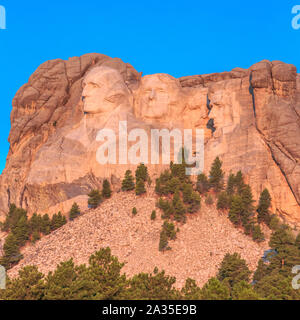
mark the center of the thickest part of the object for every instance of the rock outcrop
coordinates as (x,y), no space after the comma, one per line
(250,117)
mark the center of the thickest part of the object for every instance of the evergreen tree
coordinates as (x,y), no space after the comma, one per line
(169,228)
(239,182)
(134,211)
(276,287)
(156,286)
(167,208)
(128,182)
(163,241)
(202,184)
(35,223)
(244,291)
(141,173)
(162,183)
(168,232)
(223,201)
(187,192)
(21,231)
(231,182)
(247,212)
(74,212)
(95,198)
(263,207)
(173,184)
(106,190)
(58,220)
(35,236)
(179,209)
(281,237)
(257,234)
(11,251)
(153,215)
(216,175)
(215,290)
(274,222)
(195,203)
(233,269)
(191,291)
(236,210)
(46,224)
(140,187)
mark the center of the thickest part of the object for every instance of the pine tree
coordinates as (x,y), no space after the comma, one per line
(195,203)
(106,190)
(11,250)
(233,269)
(46,224)
(141,173)
(236,210)
(216,175)
(263,207)
(74,212)
(35,236)
(128,182)
(187,192)
(35,223)
(163,241)
(173,184)
(239,182)
(179,208)
(244,291)
(223,201)
(202,184)
(134,211)
(281,237)
(274,222)
(231,182)
(215,290)
(58,220)
(248,208)
(140,187)
(95,199)
(153,215)
(167,208)
(257,234)
(21,231)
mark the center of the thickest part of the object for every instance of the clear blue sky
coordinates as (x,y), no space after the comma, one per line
(175,37)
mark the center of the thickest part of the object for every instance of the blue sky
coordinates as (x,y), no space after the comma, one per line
(176,37)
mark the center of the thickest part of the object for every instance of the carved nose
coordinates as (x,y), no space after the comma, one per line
(152,94)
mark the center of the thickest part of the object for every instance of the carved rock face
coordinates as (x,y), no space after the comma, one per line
(104,90)
(158,98)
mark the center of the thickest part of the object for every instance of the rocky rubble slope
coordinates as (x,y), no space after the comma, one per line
(197,252)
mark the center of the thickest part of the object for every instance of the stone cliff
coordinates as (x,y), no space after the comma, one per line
(251,119)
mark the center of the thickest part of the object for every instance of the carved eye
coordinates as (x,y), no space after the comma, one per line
(94,85)
(114,98)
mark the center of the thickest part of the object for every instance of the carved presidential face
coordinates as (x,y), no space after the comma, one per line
(104,90)
(158,97)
